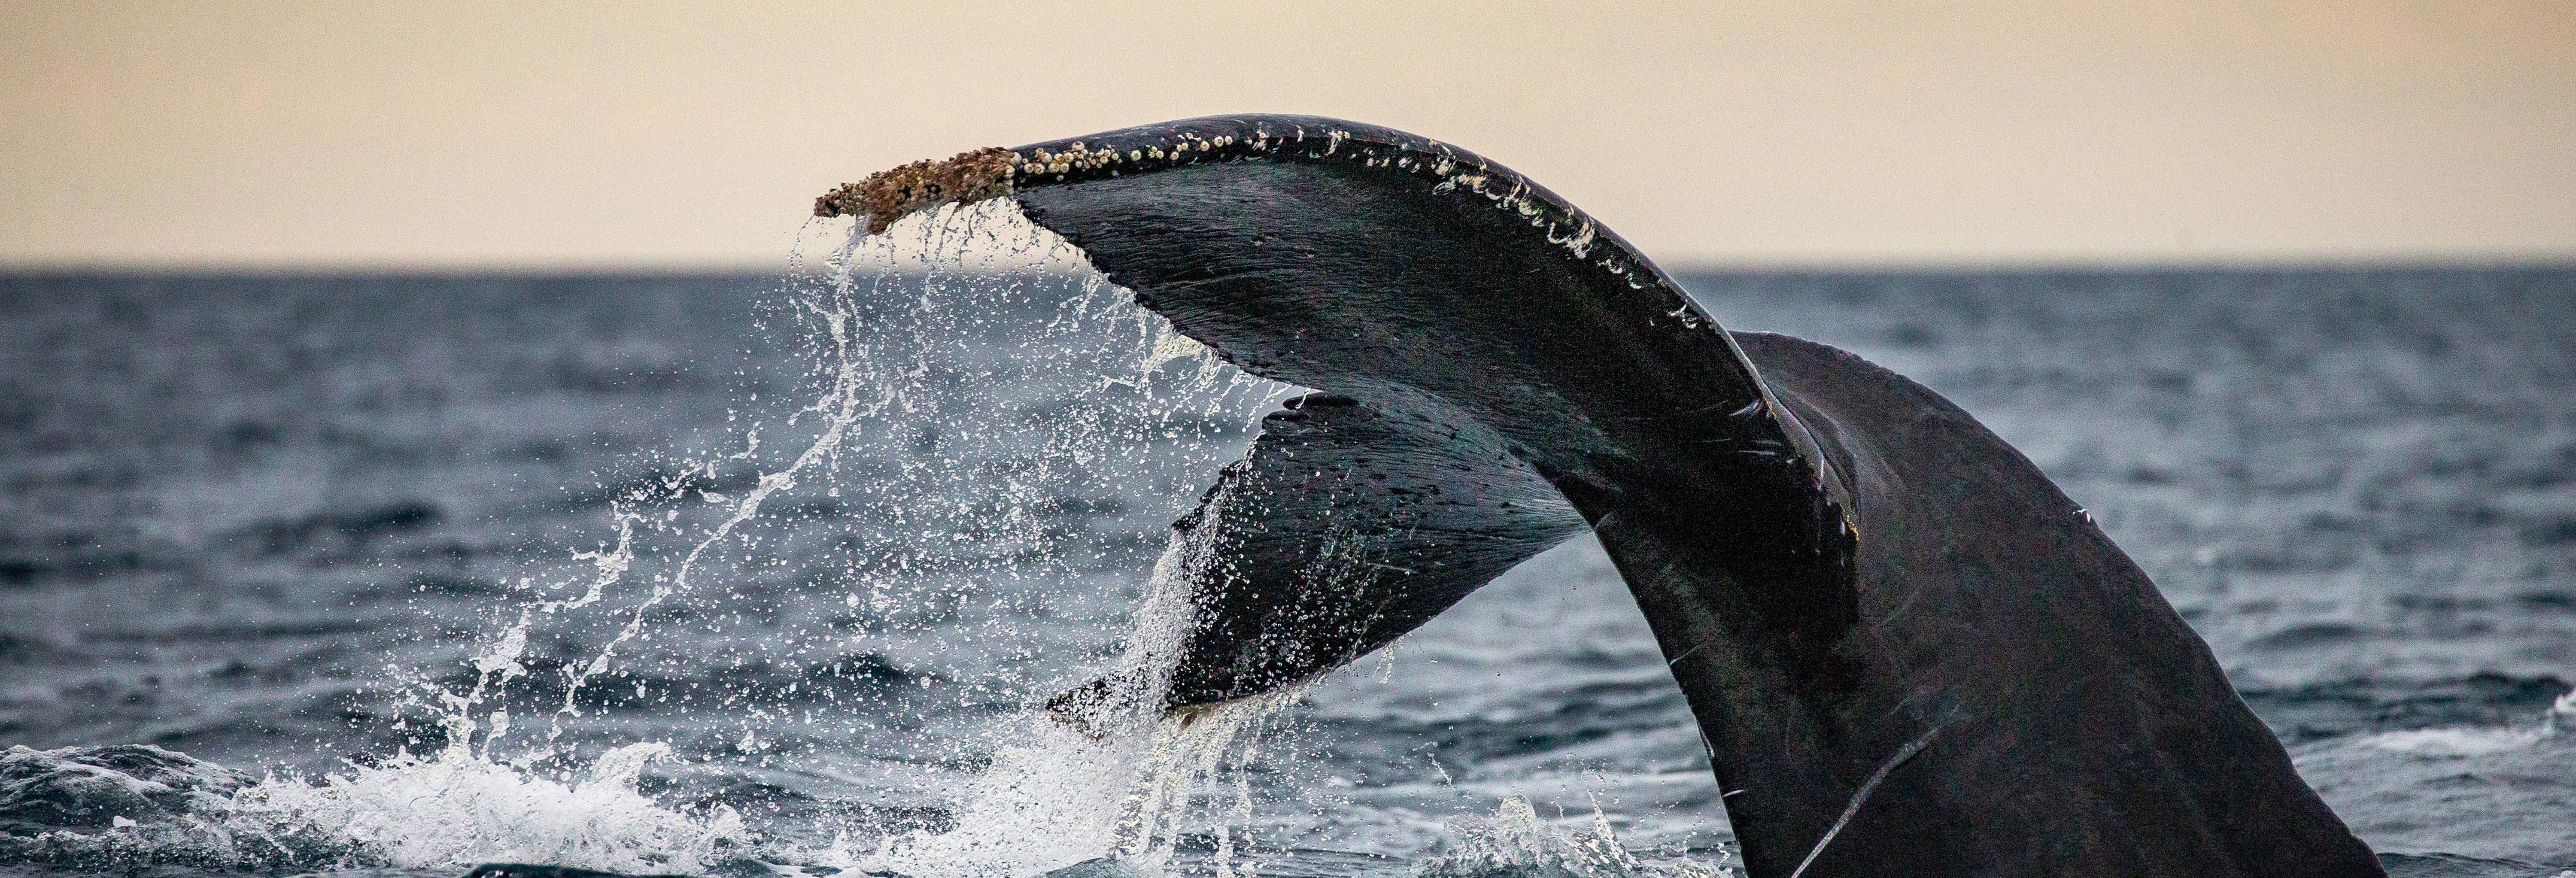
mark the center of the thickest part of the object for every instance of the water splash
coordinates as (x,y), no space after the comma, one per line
(925,344)
(923,427)
(1515,843)
(1047,803)
(457,810)
(1065,796)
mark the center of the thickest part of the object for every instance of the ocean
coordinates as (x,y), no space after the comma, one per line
(448,569)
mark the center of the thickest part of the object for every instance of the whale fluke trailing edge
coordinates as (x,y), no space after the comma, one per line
(1908,651)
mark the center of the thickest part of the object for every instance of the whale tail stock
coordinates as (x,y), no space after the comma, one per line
(1906,648)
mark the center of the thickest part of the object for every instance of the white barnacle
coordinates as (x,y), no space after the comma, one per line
(1566,240)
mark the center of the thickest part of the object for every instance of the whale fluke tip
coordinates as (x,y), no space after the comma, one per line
(885,196)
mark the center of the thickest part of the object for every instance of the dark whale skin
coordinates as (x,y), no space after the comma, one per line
(1908,651)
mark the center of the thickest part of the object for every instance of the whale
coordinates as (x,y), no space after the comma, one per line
(1907,651)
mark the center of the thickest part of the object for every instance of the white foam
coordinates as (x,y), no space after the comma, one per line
(1047,803)
(459,809)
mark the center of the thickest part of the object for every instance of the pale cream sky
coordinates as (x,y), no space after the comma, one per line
(629,135)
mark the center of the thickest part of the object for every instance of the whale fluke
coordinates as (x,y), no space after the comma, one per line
(1908,651)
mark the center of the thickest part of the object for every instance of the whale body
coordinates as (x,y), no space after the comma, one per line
(1907,650)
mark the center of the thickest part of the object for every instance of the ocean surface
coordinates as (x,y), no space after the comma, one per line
(747,574)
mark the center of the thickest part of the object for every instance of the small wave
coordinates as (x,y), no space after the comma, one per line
(2326,709)
(2559,722)
(2454,742)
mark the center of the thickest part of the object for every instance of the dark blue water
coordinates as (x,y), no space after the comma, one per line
(272,522)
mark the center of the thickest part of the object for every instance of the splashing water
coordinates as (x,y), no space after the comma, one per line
(1513,842)
(1066,796)
(483,811)
(1041,804)
(882,379)
(912,331)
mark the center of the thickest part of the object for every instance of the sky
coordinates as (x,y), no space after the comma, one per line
(647,136)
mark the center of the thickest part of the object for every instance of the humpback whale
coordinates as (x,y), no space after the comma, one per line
(1908,652)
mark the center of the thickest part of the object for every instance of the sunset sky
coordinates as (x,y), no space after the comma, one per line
(648,136)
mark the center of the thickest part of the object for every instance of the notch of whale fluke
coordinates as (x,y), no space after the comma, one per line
(886,196)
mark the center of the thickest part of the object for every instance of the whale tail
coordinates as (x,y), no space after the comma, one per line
(1840,565)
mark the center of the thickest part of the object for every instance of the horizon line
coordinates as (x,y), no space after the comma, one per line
(713,267)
